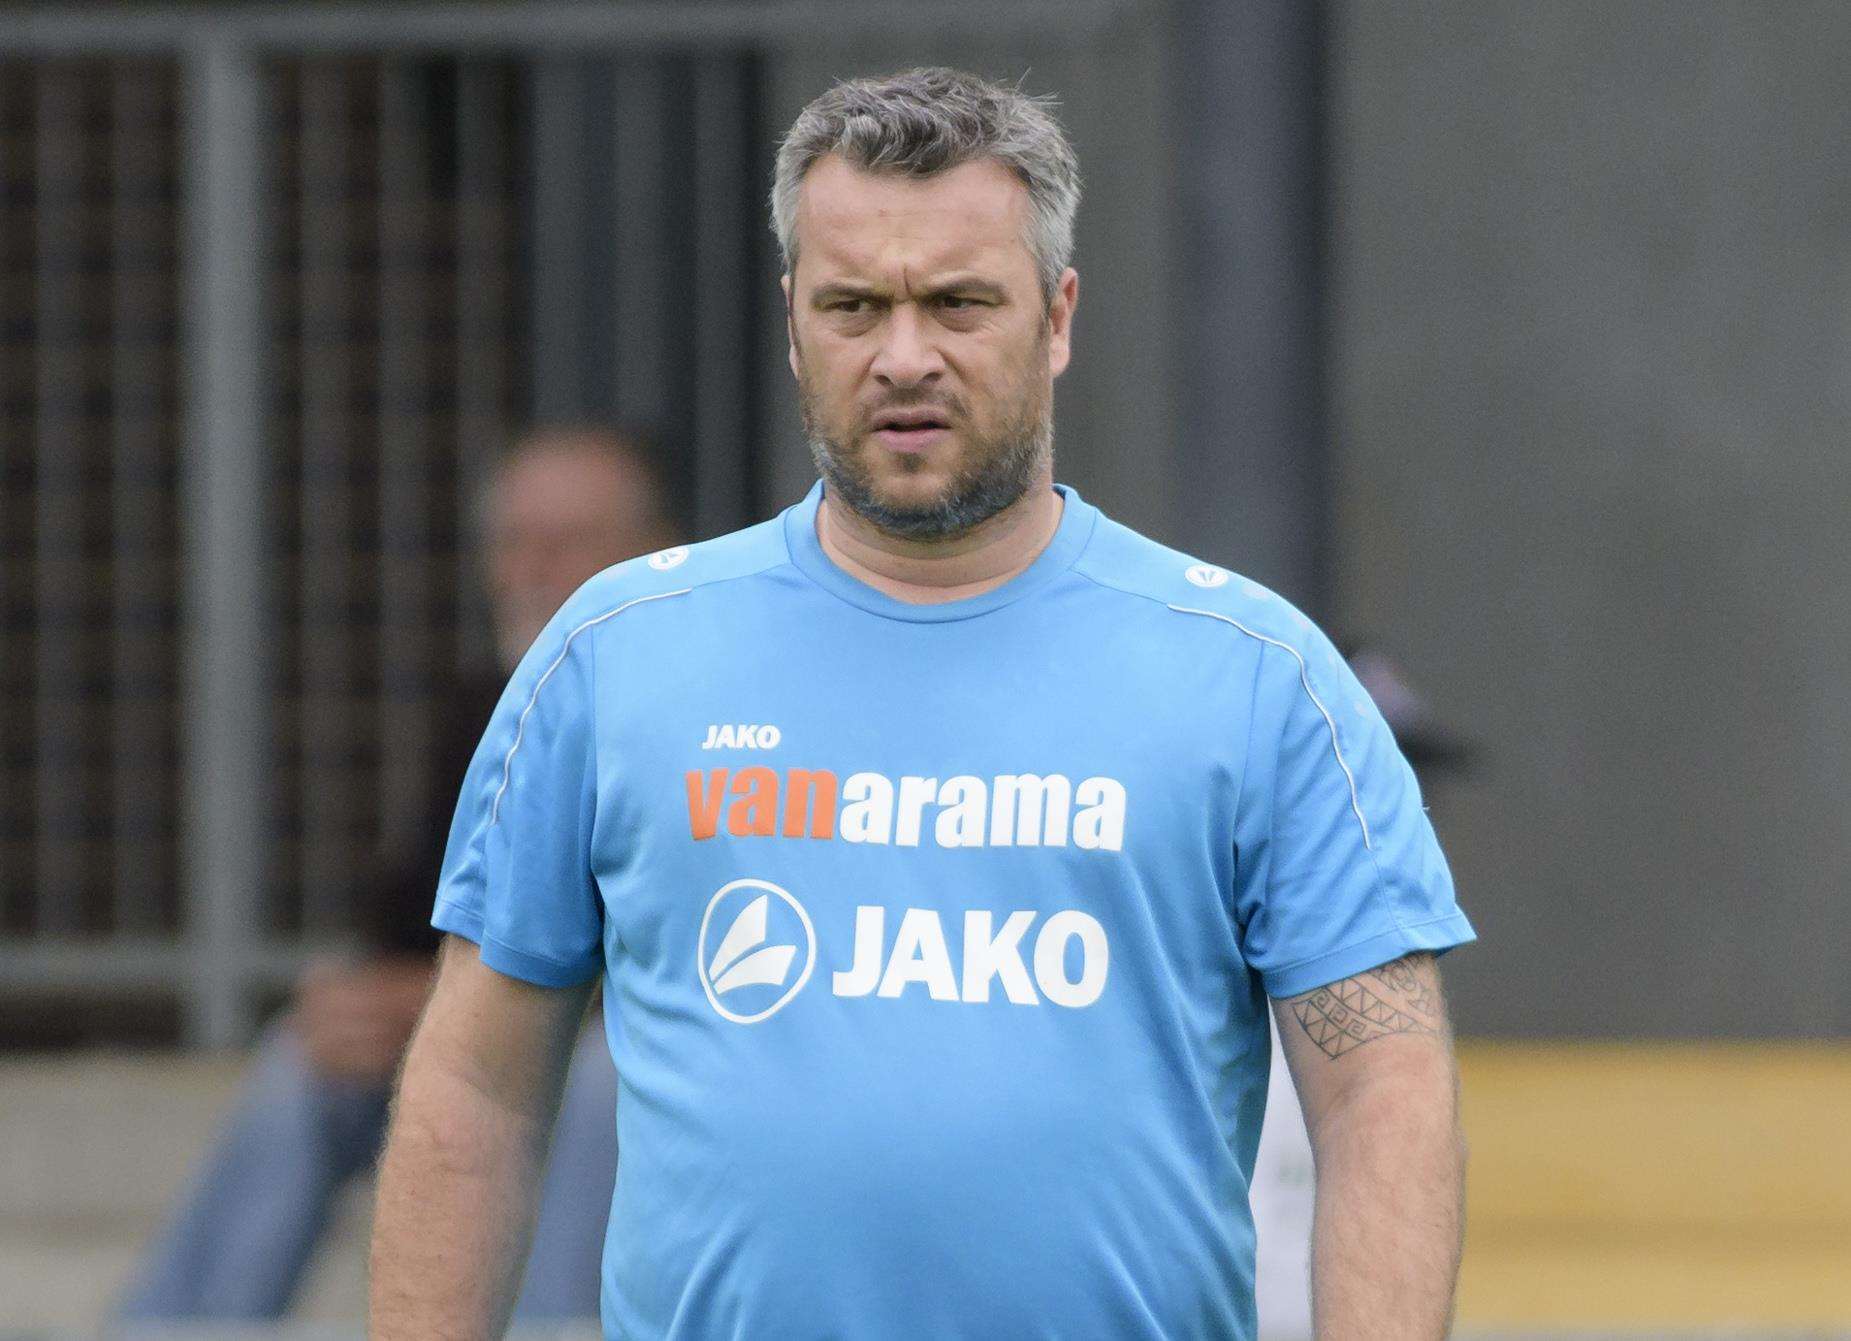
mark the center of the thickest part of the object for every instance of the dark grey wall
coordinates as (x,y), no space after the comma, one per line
(1248,334)
(1592,406)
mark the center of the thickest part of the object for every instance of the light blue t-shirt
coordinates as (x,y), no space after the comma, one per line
(936,939)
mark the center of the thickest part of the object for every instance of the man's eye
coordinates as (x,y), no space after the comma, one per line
(850,306)
(956,302)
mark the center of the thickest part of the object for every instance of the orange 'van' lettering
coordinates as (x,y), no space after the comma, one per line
(704,795)
(756,810)
(810,795)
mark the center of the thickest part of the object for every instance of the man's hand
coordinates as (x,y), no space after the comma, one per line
(354,1021)
(1372,1059)
(459,1181)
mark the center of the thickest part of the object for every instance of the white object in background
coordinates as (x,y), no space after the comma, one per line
(1284,1188)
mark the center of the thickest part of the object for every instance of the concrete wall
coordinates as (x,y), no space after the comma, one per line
(1592,407)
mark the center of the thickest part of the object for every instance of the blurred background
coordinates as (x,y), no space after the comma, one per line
(1511,339)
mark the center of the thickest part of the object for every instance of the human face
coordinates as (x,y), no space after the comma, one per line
(924,353)
(557,515)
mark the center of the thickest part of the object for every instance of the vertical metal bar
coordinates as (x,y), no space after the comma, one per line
(330,427)
(1254,444)
(484,239)
(138,501)
(597,257)
(645,316)
(18,378)
(226,735)
(62,748)
(559,218)
(723,330)
(405,231)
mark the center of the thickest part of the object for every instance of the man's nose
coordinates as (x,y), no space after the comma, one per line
(907,354)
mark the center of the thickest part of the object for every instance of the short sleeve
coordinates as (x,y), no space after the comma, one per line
(1337,866)
(517,869)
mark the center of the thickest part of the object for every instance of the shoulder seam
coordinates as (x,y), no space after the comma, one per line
(1304,680)
(520,729)
(1104,585)
(775,565)
(693,552)
(782,559)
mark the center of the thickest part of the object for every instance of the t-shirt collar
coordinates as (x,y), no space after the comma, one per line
(806,550)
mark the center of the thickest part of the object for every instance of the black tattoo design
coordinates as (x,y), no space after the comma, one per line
(1397,998)
(1414,988)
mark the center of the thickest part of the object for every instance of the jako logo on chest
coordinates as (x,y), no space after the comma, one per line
(728,736)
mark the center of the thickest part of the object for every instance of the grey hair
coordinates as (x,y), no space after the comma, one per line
(930,120)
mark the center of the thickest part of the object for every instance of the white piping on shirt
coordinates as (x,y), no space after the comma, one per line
(507,764)
(1304,678)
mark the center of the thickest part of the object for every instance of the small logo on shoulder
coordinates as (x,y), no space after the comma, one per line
(1206,575)
(669,558)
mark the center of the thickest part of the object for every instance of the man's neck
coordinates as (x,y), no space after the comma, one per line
(935,572)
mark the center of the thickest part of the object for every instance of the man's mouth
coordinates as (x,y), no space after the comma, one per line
(910,430)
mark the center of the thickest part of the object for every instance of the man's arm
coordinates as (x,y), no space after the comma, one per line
(459,1180)
(1372,1059)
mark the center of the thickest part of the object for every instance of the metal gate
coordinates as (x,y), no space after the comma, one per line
(276,284)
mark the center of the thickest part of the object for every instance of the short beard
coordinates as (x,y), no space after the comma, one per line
(1003,468)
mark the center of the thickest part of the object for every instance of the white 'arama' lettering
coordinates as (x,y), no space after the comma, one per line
(921,956)
(1018,810)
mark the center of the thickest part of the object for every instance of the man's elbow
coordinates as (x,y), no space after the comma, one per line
(1415,1098)
(456,1128)
(430,1110)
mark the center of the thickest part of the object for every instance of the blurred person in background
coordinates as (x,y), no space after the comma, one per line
(562,505)
(942,847)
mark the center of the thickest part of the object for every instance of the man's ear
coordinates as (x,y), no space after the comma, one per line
(1060,321)
(790,324)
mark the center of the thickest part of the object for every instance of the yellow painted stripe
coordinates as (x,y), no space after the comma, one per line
(1655,1284)
(1647,1185)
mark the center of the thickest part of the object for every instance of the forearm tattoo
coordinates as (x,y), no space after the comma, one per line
(1401,997)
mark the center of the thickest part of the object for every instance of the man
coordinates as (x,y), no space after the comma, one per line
(938,843)
(563,504)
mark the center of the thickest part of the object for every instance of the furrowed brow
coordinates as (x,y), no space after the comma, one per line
(836,290)
(967,286)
